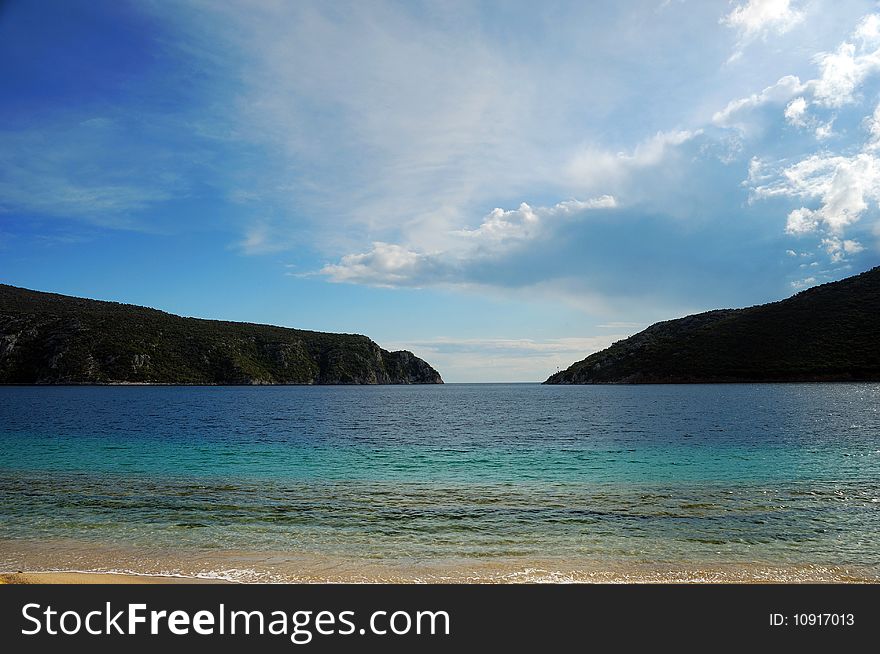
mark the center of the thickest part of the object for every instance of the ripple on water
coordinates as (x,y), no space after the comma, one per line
(679,477)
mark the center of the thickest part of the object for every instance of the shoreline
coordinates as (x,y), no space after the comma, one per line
(690,578)
(77,577)
(78,562)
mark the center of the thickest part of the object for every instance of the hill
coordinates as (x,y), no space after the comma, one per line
(56,339)
(827,333)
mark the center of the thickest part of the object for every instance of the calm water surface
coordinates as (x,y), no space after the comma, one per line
(456,482)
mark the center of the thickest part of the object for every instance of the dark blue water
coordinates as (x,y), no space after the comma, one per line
(455,481)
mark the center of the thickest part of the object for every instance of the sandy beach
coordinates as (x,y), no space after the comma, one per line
(76,561)
(71,561)
(97,578)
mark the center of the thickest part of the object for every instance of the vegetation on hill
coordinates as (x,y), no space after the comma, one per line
(827,333)
(57,339)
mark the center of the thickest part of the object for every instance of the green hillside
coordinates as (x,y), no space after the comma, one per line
(56,339)
(827,333)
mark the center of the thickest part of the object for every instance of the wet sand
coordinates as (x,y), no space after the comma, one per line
(96,578)
(70,561)
(483,575)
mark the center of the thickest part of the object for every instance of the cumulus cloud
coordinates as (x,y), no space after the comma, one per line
(841,74)
(801,221)
(842,184)
(824,131)
(838,248)
(794,112)
(389,264)
(836,189)
(526,222)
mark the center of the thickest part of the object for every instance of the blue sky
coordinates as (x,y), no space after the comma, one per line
(500,187)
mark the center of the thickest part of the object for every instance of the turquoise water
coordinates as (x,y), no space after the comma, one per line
(414,482)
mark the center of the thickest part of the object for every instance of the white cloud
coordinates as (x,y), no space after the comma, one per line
(851,247)
(837,188)
(843,71)
(872,126)
(796,115)
(760,18)
(794,112)
(388,264)
(838,248)
(824,131)
(735,114)
(842,184)
(867,32)
(387,129)
(526,222)
(598,167)
(800,284)
(414,120)
(801,221)
(841,74)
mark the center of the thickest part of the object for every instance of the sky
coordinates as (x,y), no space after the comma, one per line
(500,187)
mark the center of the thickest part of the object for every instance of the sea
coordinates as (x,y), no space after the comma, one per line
(444,483)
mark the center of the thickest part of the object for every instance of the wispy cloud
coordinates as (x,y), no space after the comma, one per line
(738,112)
(599,167)
(87,170)
(760,18)
(259,240)
(413,121)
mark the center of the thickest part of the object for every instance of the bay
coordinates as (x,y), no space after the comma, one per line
(459,482)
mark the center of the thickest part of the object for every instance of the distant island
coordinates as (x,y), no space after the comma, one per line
(57,339)
(827,333)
